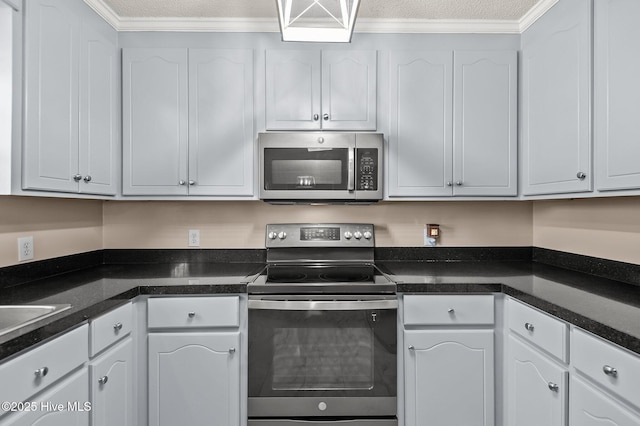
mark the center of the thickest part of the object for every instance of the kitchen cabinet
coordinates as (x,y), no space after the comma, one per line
(556,101)
(194,378)
(445,139)
(328,90)
(448,368)
(592,407)
(64,404)
(188,122)
(71,112)
(616,94)
(537,387)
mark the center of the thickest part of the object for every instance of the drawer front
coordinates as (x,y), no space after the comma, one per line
(448,309)
(38,368)
(614,368)
(547,332)
(193,312)
(110,327)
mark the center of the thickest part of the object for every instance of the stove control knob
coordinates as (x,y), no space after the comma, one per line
(272,235)
(367,235)
(348,235)
(282,235)
(357,235)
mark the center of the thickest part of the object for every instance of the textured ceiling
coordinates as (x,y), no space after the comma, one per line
(377,9)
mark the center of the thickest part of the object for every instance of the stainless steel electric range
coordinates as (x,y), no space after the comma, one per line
(322,330)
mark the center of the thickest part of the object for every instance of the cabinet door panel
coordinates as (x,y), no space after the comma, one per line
(556,101)
(194,378)
(112,400)
(448,370)
(590,407)
(349,90)
(617,90)
(155,118)
(98,113)
(293,89)
(51,115)
(531,400)
(485,129)
(221,122)
(420,138)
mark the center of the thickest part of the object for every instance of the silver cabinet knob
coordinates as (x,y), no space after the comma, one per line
(610,371)
(191,314)
(87,179)
(581,175)
(181,182)
(412,348)
(103,380)
(192,182)
(77,178)
(451,311)
(449,183)
(232,350)
(41,372)
(459,183)
(316,117)
(117,326)
(529,326)
(326,117)
(553,387)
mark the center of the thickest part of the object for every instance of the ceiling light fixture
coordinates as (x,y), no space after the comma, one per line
(317,20)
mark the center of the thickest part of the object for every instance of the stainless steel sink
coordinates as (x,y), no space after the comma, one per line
(13,317)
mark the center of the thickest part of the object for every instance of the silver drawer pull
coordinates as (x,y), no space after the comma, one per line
(411,348)
(41,372)
(103,380)
(451,311)
(232,350)
(553,387)
(529,326)
(191,314)
(117,326)
(610,371)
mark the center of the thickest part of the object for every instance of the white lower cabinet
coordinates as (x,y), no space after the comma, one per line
(64,404)
(537,387)
(194,378)
(112,386)
(591,407)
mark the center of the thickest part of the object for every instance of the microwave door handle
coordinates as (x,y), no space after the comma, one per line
(351,174)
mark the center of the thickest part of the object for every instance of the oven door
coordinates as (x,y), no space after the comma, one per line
(322,356)
(313,166)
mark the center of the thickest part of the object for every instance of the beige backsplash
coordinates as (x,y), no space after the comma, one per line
(608,227)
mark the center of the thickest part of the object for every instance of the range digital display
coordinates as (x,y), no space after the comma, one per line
(320,234)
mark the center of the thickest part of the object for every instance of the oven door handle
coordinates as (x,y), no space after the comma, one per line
(323,305)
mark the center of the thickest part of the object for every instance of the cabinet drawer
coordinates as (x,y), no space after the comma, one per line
(110,327)
(448,309)
(611,366)
(193,312)
(549,333)
(38,368)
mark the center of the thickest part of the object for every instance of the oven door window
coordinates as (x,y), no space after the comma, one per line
(329,353)
(305,169)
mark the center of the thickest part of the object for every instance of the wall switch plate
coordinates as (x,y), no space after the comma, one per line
(194,238)
(25,248)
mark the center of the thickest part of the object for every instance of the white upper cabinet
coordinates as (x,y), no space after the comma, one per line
(453,123)
(556,102)
(71,112)
(617,90)
(188,122)
(485,133)
(312,90)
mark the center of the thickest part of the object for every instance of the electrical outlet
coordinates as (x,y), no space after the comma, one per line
(194,238)
(25,248)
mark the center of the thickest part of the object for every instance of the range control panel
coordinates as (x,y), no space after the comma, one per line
(367,169)
(319,235)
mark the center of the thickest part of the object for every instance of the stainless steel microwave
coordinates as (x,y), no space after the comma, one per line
(321,167)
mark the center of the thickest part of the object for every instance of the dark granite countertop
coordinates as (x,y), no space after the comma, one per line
(608,308)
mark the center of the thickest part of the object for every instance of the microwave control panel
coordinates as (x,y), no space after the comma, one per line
(367,169)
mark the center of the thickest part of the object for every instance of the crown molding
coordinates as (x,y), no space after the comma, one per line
(363,25)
